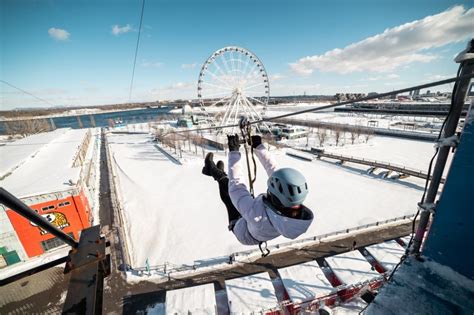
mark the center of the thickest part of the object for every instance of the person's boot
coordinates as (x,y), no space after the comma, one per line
(208,164)
(220,165)
(210,168)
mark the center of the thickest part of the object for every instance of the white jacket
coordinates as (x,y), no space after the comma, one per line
(260,221)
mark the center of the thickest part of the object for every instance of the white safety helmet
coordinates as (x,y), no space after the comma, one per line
(288,186)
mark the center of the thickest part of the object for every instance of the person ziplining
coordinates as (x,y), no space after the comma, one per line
(279,211)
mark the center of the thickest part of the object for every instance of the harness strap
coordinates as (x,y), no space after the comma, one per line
(245,130)
(265,251)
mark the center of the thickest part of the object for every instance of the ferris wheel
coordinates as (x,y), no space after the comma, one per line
(235,78)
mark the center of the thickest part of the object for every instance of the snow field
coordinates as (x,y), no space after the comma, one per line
(387,253)
(251,294)
(50,169)
(173,214)
(198,300)
(13,154)
(305,282)
(352,267)
(423,124)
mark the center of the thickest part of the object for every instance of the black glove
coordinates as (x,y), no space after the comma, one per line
(233,142)
(256,141)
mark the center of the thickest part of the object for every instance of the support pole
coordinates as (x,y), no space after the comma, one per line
(22,209)
(460,94)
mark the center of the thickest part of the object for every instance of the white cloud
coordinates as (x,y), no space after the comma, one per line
(390,76)
(188,65)
(151,64)
(178,86)
(182,90)
(440,76)
(276,77)
(394,83)
(395,47)
(58,34)
(117,30)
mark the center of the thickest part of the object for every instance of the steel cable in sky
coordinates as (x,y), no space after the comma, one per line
(26,92)
(136,52)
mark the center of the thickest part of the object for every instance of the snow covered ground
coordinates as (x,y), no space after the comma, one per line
(13,154)
(352,268)
(387,253)
(251,294)
(420,124)
(410,153)
(199,299)
(50,169)
(173,214)
(305,282)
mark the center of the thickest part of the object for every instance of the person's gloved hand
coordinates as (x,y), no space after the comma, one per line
(256,141)
(233,142)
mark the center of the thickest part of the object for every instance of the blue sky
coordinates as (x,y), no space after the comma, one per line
(67,52)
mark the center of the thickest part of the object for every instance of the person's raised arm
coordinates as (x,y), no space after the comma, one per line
(238,191)
(263,155)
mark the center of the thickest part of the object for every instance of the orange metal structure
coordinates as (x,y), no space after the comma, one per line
(71,214)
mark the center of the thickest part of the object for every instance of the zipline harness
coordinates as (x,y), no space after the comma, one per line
(246,129)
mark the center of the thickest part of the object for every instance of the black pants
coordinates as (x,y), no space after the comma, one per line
(232,213)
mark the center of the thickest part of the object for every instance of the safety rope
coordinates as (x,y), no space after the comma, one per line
(245,130)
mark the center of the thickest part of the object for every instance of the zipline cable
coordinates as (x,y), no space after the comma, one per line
(366,98)
(26,92)
(136,52)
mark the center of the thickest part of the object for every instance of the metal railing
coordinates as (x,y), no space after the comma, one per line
(403,170)
(167,269)
(342,294)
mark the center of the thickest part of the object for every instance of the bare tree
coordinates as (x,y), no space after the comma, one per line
(270,139)
(322,136)
(353,135)
(195,140)
(159,135)
(173,142)
(310,132)
(26,127)
(337,134)
(188,138)
(368,134)
(358,132)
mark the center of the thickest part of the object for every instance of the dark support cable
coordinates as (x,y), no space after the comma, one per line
(22,209)
(26,92)
(449,130)
(465,77)
(136,52)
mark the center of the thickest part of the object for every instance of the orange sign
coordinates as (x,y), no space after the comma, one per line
(57,219)
(71,214)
